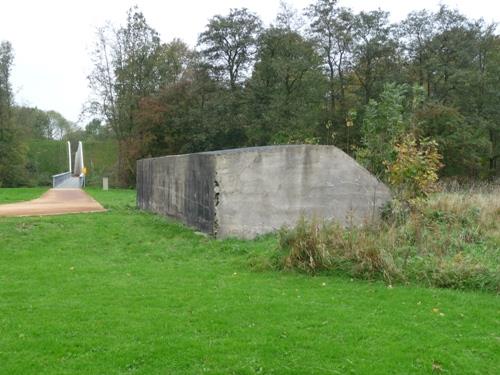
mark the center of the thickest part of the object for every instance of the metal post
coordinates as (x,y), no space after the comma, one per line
(69,155)
(80,146)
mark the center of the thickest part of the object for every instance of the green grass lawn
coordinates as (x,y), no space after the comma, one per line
(131,292)
(9,195)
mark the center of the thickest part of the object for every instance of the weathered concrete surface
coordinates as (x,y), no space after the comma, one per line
(53,202)
(251,191)
(266,189)
(179,186)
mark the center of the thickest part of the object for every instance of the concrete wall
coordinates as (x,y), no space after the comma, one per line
(179,186)
(247,192)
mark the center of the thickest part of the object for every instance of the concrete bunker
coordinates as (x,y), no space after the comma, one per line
(250,191)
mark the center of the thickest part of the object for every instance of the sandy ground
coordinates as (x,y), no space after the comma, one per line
(53,202)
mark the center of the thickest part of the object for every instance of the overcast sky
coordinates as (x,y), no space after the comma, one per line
(52,38)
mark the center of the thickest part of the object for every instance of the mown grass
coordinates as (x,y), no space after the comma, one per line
(12,195)
(130,292)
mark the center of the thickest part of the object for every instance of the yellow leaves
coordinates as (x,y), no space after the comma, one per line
(414,171)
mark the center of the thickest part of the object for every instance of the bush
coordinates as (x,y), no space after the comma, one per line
(413,173)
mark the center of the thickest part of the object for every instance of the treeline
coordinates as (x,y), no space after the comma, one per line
(323,75)
(306,78)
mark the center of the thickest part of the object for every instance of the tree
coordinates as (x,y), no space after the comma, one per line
(482,92)
(102,80)
(136,69)
(175,60)
(34,122)
(287,88)
(59,127)
(176,121)
(463,75)
(38,124)
(331,28)
(12,149)
(385,121)
(126,69)
(452,49)
(373,52)
(416,33)
(490,94)
(188,113)
(228,43)
(464,145)
(288,18)
(95,129)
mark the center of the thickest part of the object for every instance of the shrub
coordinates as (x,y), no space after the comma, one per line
(413,173)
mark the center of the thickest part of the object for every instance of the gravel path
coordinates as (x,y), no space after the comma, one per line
(53,202)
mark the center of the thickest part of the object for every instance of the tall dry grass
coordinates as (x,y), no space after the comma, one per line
(452,240)
(483,197)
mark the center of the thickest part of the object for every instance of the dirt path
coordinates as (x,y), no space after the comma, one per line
(53,202)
